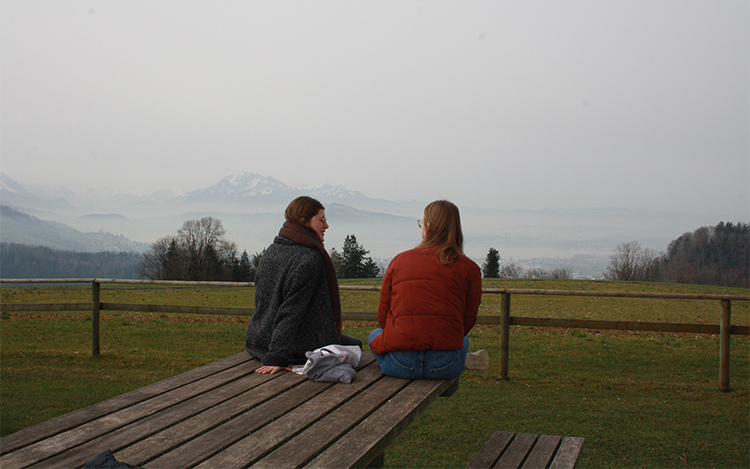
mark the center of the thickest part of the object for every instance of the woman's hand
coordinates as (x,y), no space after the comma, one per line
(269,370)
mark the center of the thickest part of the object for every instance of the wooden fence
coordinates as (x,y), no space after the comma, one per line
(724,329)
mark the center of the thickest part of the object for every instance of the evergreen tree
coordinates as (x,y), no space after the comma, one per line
(255,263)
(370,269)
(337,260)
(244,268)
(174,259)
(491,266)
(354,260)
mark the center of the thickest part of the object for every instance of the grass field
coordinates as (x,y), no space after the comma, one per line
(639,399)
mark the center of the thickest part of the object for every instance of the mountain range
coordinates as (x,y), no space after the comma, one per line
(251,207)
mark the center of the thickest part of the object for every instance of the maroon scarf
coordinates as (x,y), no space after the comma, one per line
(305,237)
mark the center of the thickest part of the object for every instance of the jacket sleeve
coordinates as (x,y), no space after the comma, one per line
(384,307)
(299,287)
(473,298)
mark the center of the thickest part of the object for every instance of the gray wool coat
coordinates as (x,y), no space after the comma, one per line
(293,311)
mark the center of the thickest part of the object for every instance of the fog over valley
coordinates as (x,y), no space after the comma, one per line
(250,206)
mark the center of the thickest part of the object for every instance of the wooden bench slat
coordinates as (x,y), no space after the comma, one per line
(30,435)
(543,451)
(59,442)
(256,445)
(514,456)
(491,451)
(368,440)
(568,453)
(525,450)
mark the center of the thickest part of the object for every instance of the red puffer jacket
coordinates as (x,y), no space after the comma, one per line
(425,305)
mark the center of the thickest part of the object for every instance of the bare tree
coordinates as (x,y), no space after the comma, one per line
(563,273)
(205,247)
(155,260)
(536,272)
(632,262)
(510,271)
(198,252)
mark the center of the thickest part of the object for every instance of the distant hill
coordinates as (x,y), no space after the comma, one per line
(22,261)
(22,228)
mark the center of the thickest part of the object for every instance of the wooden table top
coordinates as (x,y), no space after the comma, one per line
(226,415)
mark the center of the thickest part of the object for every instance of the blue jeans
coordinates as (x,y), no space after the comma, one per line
(431,364)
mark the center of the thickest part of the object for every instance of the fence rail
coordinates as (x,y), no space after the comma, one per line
(724,329)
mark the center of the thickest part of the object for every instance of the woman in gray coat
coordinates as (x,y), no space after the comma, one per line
(297,304)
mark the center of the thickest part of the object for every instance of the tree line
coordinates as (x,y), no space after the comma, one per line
(200,252)
(718,255)
(25,261)
(491,268)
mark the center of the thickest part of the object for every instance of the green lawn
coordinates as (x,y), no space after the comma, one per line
(639,399)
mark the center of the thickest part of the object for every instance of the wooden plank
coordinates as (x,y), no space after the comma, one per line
(33,307)
(60,424)
(194,426)
(223,436)
(543,452)
(252,384)
(360,446)
(674,296)
(332,427)
(80,434)
(641,326)
(491,451)
(178,309)
(568,453)
(254,446)
(516,452)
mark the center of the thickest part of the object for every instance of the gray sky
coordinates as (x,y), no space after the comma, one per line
(513,104)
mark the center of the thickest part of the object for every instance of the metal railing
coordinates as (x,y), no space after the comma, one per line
(724,329)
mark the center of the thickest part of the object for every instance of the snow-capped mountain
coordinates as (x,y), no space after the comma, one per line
(252,192)
(15,194)
(243,186)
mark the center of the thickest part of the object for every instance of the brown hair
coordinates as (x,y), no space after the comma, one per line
(443,229)
(302,209)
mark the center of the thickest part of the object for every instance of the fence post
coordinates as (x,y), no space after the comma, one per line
(725,327)
(95,308)
(504,334)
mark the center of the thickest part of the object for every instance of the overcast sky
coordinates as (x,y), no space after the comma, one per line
(514,104)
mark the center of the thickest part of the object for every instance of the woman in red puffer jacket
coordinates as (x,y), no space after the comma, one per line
(428,304)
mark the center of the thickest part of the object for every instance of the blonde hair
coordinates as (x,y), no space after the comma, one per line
(443,229)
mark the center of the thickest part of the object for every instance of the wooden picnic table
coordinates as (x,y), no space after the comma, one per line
(225,415)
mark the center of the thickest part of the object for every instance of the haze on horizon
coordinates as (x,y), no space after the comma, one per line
(543,104)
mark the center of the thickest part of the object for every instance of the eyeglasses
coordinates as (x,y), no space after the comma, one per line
(419,223)
(322,219)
